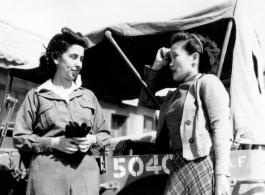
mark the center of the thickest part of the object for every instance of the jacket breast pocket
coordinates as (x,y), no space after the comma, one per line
(46,115)
(88,109)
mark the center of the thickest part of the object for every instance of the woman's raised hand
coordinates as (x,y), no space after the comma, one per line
(162,58)
(64,144)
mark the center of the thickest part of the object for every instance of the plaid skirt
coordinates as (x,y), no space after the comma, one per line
(191,177)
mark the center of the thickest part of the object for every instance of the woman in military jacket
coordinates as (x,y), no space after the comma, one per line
(59,122)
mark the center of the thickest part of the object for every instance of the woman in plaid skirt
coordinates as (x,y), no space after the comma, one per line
(194,119)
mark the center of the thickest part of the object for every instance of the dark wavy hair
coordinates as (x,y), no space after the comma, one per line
(208,50)
(57,46)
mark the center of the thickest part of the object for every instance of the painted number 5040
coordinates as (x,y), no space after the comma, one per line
(151,165)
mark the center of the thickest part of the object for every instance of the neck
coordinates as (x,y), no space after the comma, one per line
(59,81)
(190,76)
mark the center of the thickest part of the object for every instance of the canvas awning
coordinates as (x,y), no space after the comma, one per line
(196,15)
(19,47)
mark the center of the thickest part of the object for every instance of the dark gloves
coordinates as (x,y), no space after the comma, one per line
(73,129)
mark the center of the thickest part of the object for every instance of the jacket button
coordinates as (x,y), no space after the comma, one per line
(191,140)
(188,122)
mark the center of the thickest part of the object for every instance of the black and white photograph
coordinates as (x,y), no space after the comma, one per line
(132,97)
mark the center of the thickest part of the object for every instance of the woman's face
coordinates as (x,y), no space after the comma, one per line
(70,63)
(182,64)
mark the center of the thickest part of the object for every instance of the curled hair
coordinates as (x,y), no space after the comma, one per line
(207,49)
(57,46)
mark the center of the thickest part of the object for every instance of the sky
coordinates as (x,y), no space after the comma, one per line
(47,17)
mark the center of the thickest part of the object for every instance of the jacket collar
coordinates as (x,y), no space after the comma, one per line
(48,90)
(192,78)
(48,85)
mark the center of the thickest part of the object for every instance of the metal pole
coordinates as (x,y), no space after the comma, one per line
(10,105)
(4,103)
(7,91)
(131,67)
(224,48)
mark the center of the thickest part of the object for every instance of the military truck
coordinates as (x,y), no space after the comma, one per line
(113,70)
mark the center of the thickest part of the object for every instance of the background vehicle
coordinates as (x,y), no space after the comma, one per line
(106,74)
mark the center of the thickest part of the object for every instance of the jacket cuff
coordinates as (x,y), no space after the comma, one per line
(149,73)
(103,139)
(222,161)
(45,144)
(151,77)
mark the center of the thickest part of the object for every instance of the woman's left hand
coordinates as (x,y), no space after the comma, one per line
(84,143)
(222,185)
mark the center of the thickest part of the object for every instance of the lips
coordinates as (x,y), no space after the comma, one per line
(173,71)
(75,71)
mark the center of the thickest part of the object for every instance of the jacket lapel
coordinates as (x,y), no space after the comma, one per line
(164,107)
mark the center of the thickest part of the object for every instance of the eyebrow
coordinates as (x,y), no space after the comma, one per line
(76,54)
(174,52)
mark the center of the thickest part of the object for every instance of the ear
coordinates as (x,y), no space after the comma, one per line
(55,61)
(195,59)
(195,56)
(55,58)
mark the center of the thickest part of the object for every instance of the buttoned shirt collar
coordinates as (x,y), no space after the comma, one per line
(63,93)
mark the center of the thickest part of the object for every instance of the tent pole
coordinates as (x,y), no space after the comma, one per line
(224,48)
(131,67)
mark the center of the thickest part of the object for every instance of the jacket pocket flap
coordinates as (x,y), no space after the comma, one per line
(44,108)
(86,104)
